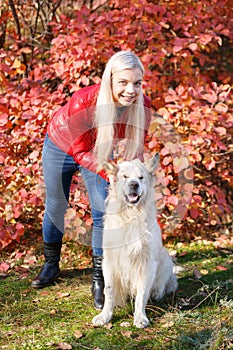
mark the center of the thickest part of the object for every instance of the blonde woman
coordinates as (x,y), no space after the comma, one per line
(82,135)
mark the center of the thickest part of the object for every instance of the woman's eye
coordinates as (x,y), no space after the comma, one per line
(138,83)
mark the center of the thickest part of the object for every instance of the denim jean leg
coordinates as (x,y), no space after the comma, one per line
(58,170)
(97,191)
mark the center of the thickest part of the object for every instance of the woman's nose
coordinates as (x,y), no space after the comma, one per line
(130,88)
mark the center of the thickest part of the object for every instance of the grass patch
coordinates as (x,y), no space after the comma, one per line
(198,316)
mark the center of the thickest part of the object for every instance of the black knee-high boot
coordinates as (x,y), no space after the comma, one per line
(97,282)
(50,270)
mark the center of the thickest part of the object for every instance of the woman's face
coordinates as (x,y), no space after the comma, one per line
(126,86)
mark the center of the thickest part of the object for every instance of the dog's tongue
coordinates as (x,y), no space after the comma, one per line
(132,198)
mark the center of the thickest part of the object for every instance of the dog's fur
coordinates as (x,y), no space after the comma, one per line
(135,262)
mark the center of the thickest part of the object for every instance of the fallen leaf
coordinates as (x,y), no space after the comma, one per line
(24,292)
(53,312)
(44,293)
(221,268)
(64,346)
(78,334)
(51,343)
(168,324)
(108,325)
(126,334)
(125,324)
(183,253)
(62,295)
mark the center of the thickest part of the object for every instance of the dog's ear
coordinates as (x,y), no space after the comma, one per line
(110,168)
(152,163)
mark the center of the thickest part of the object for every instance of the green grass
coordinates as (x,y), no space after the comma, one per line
(198,316)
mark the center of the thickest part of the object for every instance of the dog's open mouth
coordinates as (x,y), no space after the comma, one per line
(132,198)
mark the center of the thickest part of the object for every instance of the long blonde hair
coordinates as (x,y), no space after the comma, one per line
(106,111)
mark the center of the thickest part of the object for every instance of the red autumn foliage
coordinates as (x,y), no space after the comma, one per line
(186,48)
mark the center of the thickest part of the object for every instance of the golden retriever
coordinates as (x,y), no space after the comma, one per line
(135,263)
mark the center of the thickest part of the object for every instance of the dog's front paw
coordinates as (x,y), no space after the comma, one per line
(141,322)
(100,320)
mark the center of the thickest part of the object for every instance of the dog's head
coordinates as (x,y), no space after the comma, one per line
(132,179)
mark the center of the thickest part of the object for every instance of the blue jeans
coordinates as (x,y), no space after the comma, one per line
(58,168)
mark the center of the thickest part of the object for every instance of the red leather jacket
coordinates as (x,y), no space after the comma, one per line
(71,127)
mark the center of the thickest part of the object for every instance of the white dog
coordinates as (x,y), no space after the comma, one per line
(135,263)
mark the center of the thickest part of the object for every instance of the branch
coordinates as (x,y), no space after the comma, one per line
(223,154)
(16,18)
(18,30)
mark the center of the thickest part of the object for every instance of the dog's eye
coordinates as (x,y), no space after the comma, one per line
(140,177)
(125,176)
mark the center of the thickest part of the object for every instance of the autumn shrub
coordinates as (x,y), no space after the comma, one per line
(186,48)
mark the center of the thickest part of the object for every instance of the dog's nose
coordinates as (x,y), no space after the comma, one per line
(133,185)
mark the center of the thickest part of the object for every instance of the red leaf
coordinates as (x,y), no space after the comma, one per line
(23,193)
(20,229)
(164,151)
(3,119)
(2,158)
(209,162)
(34,155)
(197,199)
(221,268)
(16,211)
(220,130)
(194,212)
(193,46)
(205,38)
(179,44)
(167,160)
(4,266)
(8,170)
(173,200)
(59,68)
(221,107)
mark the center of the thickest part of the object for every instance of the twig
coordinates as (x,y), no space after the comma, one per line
(84,347)
(202,301)
(223,154)
(153,308)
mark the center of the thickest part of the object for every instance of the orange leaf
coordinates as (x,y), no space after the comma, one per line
(16,64)
(26,50)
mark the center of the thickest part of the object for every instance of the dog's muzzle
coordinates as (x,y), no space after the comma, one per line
(133,196)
